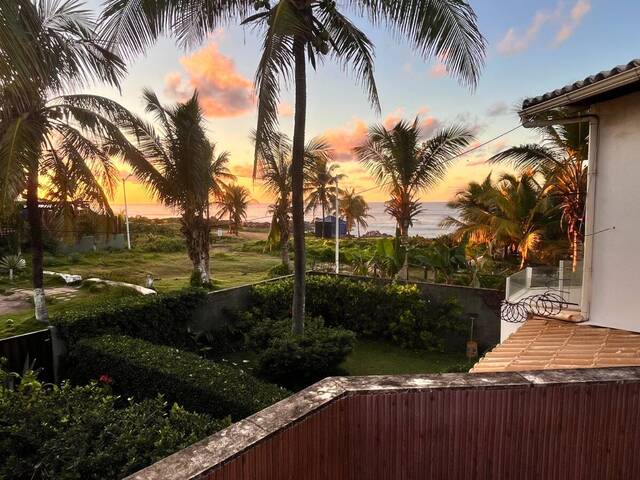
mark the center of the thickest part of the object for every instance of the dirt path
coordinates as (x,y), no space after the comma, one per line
(19,299)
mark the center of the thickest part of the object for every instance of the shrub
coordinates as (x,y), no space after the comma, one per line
(160,244)
(294,361)
(367,307)
(142,370)
(279,270)
(157,318)
(80,433)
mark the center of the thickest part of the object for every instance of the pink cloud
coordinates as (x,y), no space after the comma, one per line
(344,139)
(224,92)
(438,70)
(515,42)
(285,109)
(579,10)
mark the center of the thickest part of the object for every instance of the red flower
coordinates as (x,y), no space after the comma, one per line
(104,378)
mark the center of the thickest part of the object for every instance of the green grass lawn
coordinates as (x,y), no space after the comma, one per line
(379,357)
(376,357)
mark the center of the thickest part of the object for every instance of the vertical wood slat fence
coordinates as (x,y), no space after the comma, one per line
(34,348)
(554,425)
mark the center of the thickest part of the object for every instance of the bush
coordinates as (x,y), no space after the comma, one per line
(80,433)
(157,318)
(142,370)
(158,244)
(279,270)
(295,362)
(367,307)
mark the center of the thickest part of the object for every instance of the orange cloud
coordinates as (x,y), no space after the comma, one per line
(242,169)
(344,139)
(224,92)
(579,10)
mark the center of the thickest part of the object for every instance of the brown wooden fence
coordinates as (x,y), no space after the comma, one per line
(29,349)
(571,424)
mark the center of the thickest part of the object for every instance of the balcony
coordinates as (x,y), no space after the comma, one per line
(549,424)
(545,291)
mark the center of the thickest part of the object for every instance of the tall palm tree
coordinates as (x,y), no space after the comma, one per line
(355,210)
(561,159)
(46,49)
(407,164)
(234,202)
(180,166)
(320,186)
(297,32)
(70,193)
(274,168)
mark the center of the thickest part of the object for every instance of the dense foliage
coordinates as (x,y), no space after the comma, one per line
(78,433)
(297,361)
(157,318)
(142,370)
(370,308)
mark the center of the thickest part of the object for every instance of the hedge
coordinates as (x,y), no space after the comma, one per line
(371,309)
(142,370)
(78,433)
(158,318)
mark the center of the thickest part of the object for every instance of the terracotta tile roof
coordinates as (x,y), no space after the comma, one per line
(541,344)
(590,80)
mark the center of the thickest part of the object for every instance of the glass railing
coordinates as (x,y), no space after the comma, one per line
(565,280)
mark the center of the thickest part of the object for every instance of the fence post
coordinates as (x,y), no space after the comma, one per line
(58,352)
(529,276)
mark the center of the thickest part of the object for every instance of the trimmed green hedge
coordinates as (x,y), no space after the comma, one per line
(142,370)
(80,433)
(159,318)
(394,311)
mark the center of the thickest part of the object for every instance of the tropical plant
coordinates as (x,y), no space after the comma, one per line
(320,186)
(444,258)
(49,48)
(12,264)
(407,164)
(297,31)
(234,202)
(274,168)
(389,257)
(179,165)
(561,160)
(355,210)
(515,213)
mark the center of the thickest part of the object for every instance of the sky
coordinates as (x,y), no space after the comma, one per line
(533,47)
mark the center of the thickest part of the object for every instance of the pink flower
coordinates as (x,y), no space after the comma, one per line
(106,379)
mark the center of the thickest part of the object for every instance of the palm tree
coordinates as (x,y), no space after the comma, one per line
(297,31)
(355,210)
(474,206)
(274,168)
(561,160)
(47,48)
(180,166)
(320,186)
(400,159)
(234,202)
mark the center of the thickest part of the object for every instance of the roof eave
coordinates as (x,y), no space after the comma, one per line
(583,94)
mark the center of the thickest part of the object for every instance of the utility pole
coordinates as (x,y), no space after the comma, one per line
(126,211)
(337,229)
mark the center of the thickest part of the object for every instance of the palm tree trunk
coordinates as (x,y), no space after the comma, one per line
(297,186)
(284,241)
(35,224)
(323,224)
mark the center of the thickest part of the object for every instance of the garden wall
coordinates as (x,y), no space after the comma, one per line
(483,302)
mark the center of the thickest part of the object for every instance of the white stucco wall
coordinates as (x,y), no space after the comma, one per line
(615,296)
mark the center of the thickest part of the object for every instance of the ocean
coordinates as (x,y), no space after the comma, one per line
(425,225)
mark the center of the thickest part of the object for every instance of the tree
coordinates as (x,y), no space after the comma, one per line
(296,32)
(320,185)
(561,160)
(234,202)
(400,159)
(515,213)
(179,165)
(274,168)
(47,48)
(355,210)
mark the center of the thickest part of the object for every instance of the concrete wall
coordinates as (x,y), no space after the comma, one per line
(483,302)
(614,295)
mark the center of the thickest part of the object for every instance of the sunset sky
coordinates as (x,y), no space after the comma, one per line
(533,47)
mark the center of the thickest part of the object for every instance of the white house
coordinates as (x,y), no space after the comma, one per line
(608,294)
